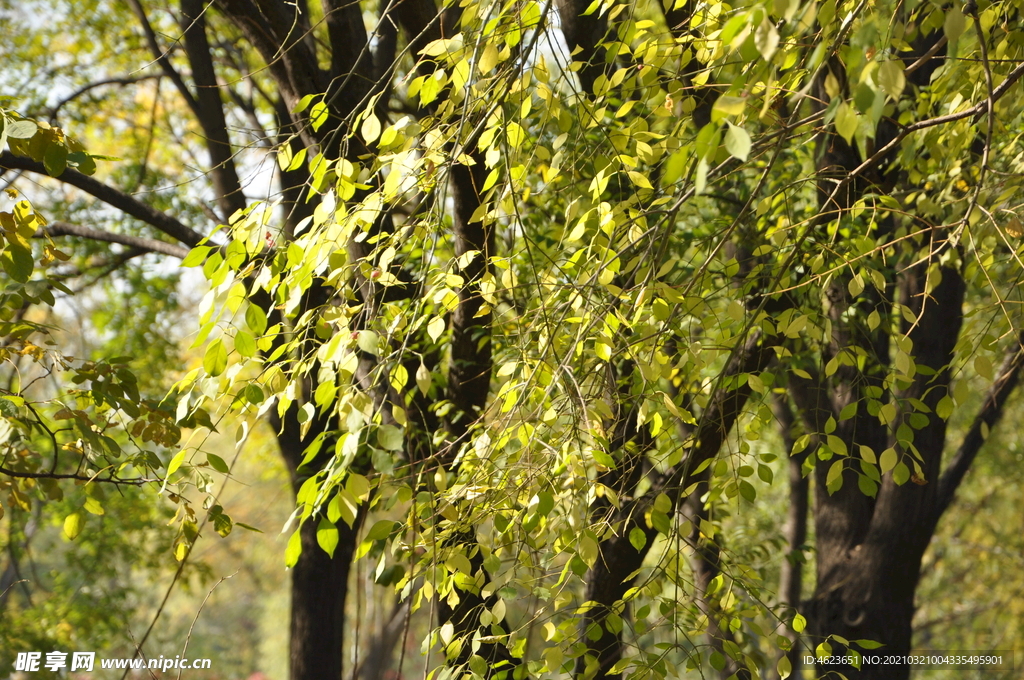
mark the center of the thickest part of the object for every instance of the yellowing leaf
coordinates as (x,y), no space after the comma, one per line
(318,115)
(488,59)
(73,525)
(370,129)
(515,135)
(435,328)
(639,180)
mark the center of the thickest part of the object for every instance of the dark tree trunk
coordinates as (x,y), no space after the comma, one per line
(319,588)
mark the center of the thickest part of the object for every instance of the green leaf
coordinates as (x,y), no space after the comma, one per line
(8,408)
(737,142)
(637,538)
(766,39)
(294,549)
(196,256)
(304,103)
(256,319)
(327,536)
(17,262)
(888,460)
(245,344)
(846,121)
(175,463)
(955,23)
(55,159)
(216,358)
(390,437)
(367,341)
(784,667)
(868,644)
(217,463)
(727,106)
(83,162)
(900,473)
(835,474)
(380,530)
(891,78)
(799,623)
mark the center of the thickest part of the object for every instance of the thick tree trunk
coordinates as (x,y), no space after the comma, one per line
(319,587)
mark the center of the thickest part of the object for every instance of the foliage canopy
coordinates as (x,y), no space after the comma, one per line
(534,287)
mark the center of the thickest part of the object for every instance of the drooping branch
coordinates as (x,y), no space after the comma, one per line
(991,411)
(608,580)
(112,197)
(707,565)
(723,409)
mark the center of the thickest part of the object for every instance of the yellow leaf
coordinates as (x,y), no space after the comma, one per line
(639,180)
(435,328)
(488,59)
(371,128)
(73,525)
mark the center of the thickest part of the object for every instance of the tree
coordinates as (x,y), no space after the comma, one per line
(545,300)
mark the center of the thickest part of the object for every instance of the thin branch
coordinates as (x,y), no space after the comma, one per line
(56,229)
(138,481)
(990,413)
(112,197)
(99,83)
(161,58)
(926,56)
(981,107)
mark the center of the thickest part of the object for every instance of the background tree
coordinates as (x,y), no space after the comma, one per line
(536,299)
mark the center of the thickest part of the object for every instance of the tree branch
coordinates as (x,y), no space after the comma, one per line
(14,474)
(112,197)
(990,413)
(91,86)
(209,110)
(56,229)
(160,55)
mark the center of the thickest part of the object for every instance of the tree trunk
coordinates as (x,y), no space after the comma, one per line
(319,588)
